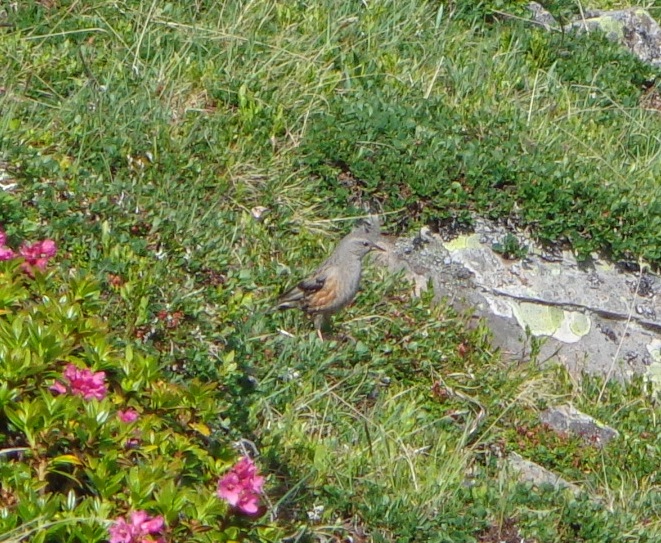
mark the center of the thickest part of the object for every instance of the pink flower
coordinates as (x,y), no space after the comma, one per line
(83,383)
(6,253)
(138,530)
(248,503)
(241,486)
(132,443)
(127,415)
(37,255)
(58,388)
(40,249)
(247,472)
(230,488)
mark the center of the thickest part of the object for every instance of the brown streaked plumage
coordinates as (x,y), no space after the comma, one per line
(335,283)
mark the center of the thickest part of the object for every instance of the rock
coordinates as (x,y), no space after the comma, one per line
(584,313)
(529,472)
(653,362)
(567,419)
(542,16)
(634,28)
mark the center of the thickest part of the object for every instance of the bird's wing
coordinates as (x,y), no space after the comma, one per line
(312,284)
(324,298)
(298,296)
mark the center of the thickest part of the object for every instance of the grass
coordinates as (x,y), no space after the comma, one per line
(141,136)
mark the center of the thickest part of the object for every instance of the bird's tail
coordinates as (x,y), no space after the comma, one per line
(289,300)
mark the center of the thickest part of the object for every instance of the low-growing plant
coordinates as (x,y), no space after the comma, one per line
(93,443)
(436,155)
(510,247)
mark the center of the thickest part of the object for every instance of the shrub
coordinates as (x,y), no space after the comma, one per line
(90,435)
(441,156)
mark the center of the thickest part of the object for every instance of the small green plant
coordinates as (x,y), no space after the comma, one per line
(510,247)
(488,10)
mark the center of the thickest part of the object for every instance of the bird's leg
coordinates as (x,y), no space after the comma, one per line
(321,323)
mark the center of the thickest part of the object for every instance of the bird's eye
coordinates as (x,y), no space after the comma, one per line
(366,243)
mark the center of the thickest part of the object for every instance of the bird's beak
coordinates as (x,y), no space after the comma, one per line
(379,247)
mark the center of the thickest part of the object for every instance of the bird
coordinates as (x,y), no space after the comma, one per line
(334,284)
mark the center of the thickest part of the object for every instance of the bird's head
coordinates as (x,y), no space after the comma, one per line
(360,246)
